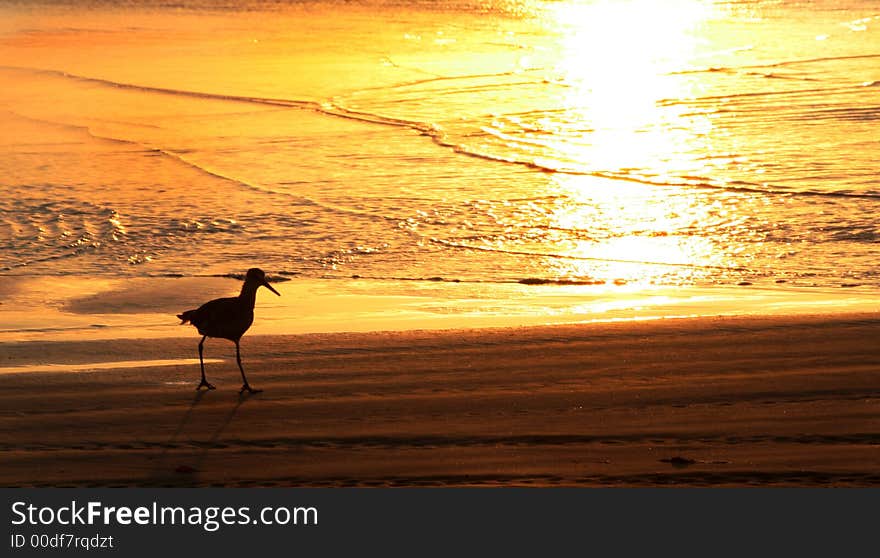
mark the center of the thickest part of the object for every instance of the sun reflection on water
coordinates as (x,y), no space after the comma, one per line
(641,234)
(617,61)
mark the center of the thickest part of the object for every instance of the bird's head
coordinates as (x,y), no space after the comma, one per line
(258,276)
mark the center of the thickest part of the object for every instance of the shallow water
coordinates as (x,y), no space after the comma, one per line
(686,143)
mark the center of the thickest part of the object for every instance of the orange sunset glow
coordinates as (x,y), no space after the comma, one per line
(513,242)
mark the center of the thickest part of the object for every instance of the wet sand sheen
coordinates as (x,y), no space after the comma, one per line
(707,401)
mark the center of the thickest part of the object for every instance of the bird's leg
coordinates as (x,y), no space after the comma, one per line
(202,364)
(246,386)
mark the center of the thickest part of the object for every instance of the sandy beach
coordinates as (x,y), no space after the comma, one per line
(727,401)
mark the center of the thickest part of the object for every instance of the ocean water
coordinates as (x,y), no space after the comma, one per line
(614,142)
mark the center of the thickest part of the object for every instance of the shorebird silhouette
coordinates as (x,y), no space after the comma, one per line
(228,318)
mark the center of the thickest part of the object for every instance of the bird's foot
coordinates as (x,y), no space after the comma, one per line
(205,384)
(249,389)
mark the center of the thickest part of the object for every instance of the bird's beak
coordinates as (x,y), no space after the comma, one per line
(268,286)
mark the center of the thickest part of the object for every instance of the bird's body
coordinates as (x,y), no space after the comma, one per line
(228,318)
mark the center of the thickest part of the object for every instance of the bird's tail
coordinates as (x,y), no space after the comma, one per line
(186,316)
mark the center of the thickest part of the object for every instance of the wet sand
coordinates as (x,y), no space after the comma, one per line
(730,401)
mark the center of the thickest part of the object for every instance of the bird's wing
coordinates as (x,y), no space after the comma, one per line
(207,311)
